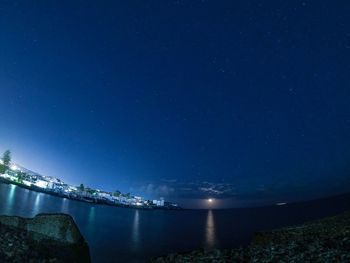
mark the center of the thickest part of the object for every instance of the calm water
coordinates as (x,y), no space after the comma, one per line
(130,235)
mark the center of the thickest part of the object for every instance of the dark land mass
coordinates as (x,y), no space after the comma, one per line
(325,240)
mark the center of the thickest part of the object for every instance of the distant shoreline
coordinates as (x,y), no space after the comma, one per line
(89,201)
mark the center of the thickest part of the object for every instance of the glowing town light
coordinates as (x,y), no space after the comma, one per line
(72,188)
(13,167)
(27,183)
(41,184)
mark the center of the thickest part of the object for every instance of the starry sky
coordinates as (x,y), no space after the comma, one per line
(246,102)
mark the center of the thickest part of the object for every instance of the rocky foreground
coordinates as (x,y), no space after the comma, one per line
(45,238)
(326,240)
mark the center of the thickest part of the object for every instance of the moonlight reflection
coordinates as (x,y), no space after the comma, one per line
(210,230)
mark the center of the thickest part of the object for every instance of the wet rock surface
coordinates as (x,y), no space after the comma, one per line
(44,238)
(326,240)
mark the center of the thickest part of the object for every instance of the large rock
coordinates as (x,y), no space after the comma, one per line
(44,238)
(60,227)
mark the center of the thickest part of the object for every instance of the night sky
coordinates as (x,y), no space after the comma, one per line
(246,102)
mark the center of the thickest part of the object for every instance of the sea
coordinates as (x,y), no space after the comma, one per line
(117,234)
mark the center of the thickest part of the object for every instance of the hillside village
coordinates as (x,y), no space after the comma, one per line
(18,175)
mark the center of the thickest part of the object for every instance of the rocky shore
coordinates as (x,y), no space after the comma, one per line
(326,240)
(45,238)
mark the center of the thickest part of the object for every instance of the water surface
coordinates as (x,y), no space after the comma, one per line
(130,235)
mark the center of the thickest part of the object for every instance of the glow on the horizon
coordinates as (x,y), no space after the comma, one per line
(210,200)
(281,203)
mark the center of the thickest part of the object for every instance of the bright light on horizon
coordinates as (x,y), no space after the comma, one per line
(210,200)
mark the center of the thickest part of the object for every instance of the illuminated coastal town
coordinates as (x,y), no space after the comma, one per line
(13,173)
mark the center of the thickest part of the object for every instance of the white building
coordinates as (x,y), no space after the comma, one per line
(158,202)
(105,195)
(41,183)
(11,175)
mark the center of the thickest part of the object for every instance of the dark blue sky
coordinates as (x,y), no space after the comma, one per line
(247,102)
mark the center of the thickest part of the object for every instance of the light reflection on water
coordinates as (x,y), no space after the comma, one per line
(10,199)
(36,204)
(24,204)
(136,231)
(91,221)
(65,205)
(210,230)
